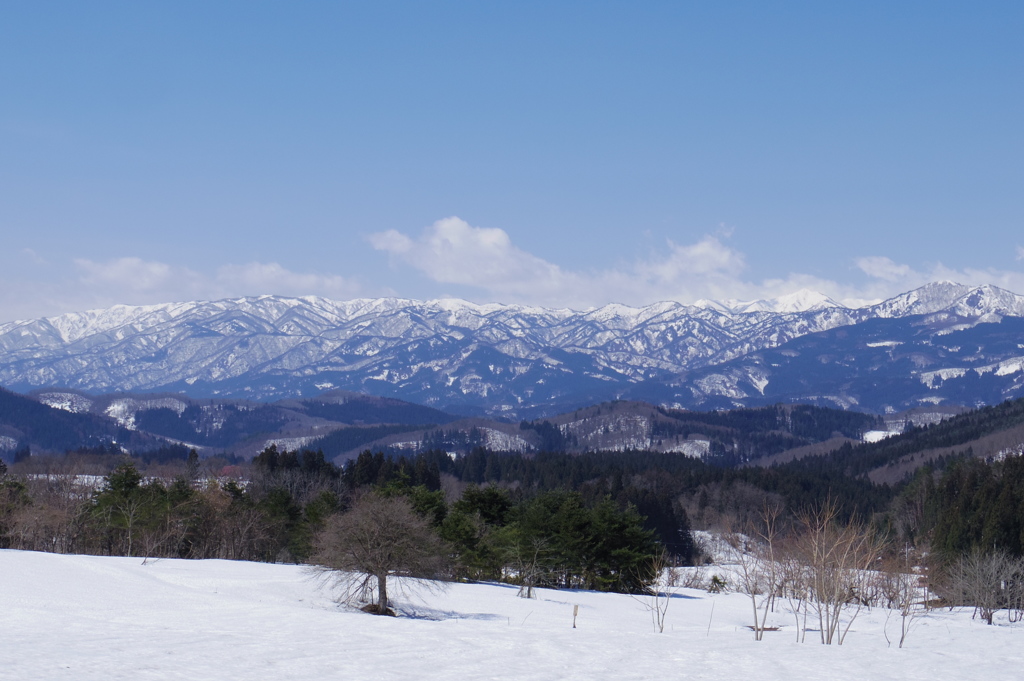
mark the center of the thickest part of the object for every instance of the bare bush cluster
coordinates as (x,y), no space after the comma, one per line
(45,513)
(696,577)
(900,588)
(988,582)
(822,568)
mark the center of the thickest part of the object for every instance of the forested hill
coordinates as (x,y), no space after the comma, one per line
(967,497)
(742,435)
(725,438)
(993,432)
(24,420)
(340,424)
(55,420)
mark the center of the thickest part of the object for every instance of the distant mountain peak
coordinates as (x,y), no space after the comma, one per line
(949,296)
(804,300)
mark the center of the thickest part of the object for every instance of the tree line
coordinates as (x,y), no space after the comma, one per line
(281,510)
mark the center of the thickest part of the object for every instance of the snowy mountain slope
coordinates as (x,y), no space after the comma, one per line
(953,298)
(118,618)
(477,359)
(881,365)
(803,300)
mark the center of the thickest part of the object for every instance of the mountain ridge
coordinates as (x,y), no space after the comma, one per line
(476,359)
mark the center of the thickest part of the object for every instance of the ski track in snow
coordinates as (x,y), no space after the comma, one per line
(87,617)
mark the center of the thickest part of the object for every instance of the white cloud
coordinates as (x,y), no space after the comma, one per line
(135,277)
(453,252)
(273,278)
(391,241)
(486,264)
(880,267)
(136,280)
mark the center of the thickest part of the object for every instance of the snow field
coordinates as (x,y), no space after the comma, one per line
(86,617)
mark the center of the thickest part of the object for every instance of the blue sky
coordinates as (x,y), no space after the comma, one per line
(556,153)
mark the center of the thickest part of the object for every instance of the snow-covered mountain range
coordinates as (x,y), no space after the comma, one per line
(475,359)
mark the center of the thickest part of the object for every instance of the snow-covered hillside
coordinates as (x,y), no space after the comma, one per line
(91,618)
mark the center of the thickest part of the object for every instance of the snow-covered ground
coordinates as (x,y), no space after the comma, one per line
(879,435)
(84,617)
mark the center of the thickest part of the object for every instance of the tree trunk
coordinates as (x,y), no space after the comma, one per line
(382,593)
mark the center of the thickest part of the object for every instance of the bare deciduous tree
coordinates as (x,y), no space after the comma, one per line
(659,594)
(901,587)
(759,574)
(838,557)
(795,586)
(376,539)
(526,557)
